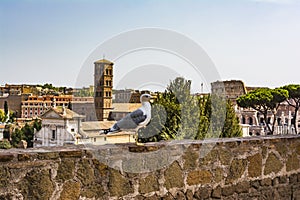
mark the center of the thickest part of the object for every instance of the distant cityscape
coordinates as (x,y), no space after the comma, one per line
(74,115)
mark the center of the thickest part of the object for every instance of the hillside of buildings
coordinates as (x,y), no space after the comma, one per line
(22,105)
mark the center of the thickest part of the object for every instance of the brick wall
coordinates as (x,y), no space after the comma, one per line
(248,168)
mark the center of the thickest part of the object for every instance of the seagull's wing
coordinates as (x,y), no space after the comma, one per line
(132,120)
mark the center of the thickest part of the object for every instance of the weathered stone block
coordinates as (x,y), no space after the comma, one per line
(282,179)
(203,193)
(71,154)
(295,146)
(292,162)
(190,159)
(267,193)
(95,191)
(66,170)
(285,192)
(242,187)
(217,192)
(296,192)
(189,195)
(118,184)
(228,191)
(237,168)
(199,177)
(48,156)
(37,184)
(210,157)
(255,165)
(225,156)
(24,157)
(174,176)
(218,175)
(70,191)
(134,164)
(85,172)
(281,148)
(273,164)
(293,179)
(6,157)
(275,181)
(4,176)
(101,169)
(148,184)
(180,195)
(266,182)
(255,184)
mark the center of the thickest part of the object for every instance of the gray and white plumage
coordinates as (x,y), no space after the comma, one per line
(134,120)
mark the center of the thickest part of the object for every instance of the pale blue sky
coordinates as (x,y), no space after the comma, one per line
(257,41)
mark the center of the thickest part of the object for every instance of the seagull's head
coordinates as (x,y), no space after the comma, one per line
(145,98)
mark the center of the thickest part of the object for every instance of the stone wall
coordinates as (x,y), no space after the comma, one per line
(248,168)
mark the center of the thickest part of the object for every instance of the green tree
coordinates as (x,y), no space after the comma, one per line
(294,100)
(5,107)
(2,116)
(28,132)
(264,100)
(153,132)
(5,144)
(204,104)
(7,132)
(12,116)
(16,137)
(37,124)
(231,126)
(176,114)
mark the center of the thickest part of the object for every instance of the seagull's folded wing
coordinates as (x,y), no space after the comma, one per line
(132,120)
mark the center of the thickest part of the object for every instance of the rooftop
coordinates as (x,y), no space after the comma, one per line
(103,61)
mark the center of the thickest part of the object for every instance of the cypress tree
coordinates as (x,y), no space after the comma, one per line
(5,107)
(231,126)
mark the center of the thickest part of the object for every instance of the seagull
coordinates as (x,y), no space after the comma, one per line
(134,120)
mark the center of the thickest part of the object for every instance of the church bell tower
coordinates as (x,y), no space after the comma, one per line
(103,84)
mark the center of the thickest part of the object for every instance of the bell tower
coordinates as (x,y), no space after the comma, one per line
(103,84)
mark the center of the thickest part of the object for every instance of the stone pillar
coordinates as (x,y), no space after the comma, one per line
(62,135)
(57,136)
(47,136)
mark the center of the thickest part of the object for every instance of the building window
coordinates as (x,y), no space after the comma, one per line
(53,135)
(72,130)
(243,120)
(95,139)
(250,121)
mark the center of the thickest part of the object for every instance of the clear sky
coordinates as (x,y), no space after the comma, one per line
(47,41)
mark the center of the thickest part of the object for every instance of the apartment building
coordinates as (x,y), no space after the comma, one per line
(34,106)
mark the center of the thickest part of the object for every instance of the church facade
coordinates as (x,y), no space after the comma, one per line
(60,126)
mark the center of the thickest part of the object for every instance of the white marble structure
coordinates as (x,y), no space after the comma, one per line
(60,126)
